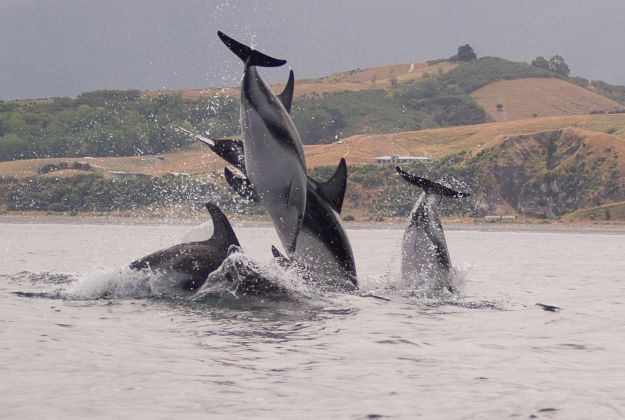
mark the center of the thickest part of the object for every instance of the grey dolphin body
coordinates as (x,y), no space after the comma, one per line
(274,156)
(425,258)
(192,262)
(322,243)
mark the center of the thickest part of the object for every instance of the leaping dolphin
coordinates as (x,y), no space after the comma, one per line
(273,152)
(323,244)
(191,263)
(425,258)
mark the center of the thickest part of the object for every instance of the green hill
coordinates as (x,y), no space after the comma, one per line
(404,98)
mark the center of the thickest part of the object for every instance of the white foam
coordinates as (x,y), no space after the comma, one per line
(123,282)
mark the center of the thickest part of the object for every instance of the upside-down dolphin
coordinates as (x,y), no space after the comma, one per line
(322,245)
(190,263)
(273,152)
(425,258)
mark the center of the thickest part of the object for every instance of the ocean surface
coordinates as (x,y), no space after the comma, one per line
(82,337)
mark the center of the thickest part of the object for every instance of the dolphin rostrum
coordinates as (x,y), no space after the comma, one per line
(273,152)
(425,258)
(192,262)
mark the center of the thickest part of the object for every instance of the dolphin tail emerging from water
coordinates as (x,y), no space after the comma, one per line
(248,55)
(425,257)
(430,187)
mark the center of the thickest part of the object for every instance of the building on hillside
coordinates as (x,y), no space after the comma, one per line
(400,159)
(127,175)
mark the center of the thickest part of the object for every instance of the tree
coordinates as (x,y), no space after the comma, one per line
(465,53)
(500,111)
(540,62)
(558,65)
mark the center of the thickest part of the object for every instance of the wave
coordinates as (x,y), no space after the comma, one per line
(243,282)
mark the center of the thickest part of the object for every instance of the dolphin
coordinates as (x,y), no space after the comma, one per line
(273,152)
(425,258)
(192,262)
(241,276)
(322,243)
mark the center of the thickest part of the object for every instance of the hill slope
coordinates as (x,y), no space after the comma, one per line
(525,98)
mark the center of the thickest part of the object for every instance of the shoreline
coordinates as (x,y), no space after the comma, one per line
(240,221)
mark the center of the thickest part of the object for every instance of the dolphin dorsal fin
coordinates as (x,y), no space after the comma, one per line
(286,97)
(241,185)
(248,55)
(333,190)
(430,187)
(222,230)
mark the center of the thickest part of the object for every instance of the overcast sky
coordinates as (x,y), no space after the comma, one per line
(65,47)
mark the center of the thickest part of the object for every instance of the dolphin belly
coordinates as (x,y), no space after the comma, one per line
(274,166)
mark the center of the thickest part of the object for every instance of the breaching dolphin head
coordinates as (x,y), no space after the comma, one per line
(241,276)
(194,260)
(273,152)
(425,258)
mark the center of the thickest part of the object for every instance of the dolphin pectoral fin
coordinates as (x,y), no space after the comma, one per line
(222,230)
(292,199)
(241,185)
(286,97)
(249,56)
(231,151)
(333,189)
(430,187)
(291,193)
(198,137)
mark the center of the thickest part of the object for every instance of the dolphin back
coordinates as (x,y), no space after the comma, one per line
(248,55)
(430,187)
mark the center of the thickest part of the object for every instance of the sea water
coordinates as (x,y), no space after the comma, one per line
(492,352)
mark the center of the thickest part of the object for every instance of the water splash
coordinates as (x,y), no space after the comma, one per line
(241,278)
(124,282)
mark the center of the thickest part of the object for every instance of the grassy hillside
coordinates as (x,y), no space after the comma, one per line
(539,167)
(558,97)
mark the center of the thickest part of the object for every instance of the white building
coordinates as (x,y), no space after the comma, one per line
(400,159)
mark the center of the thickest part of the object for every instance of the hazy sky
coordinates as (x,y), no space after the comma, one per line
(65,47)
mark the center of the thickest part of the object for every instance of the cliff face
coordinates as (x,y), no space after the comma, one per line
(550,173)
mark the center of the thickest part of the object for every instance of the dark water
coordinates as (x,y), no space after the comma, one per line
(491,353)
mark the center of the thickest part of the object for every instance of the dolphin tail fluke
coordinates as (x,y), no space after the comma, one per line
(222,230)
(430,187)
(248,55)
